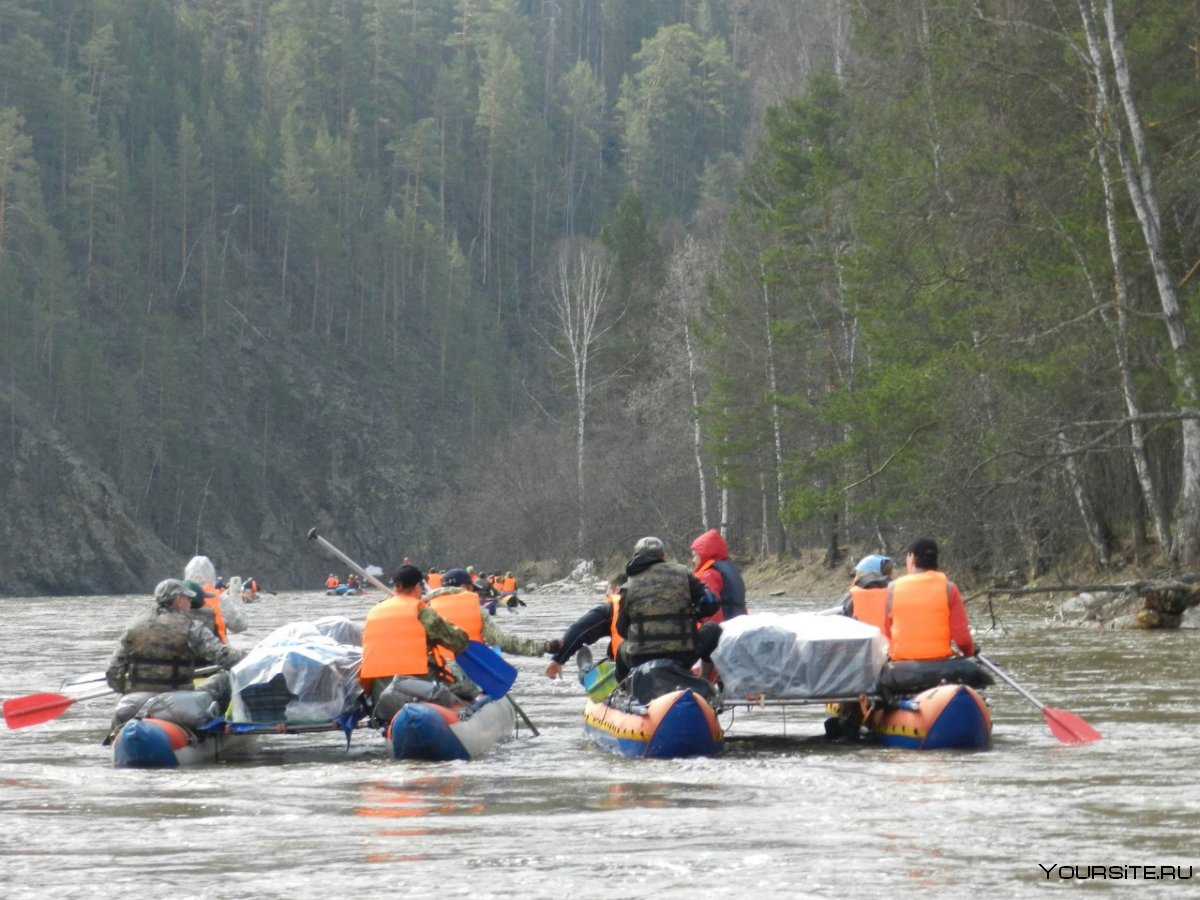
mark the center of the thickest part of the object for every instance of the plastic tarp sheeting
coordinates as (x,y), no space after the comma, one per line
(299,674)
(799,656)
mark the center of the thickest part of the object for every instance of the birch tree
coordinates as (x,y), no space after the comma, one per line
(683,290)
(1129,142)
(580,317)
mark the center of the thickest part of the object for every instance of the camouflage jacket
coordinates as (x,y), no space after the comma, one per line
(160,652)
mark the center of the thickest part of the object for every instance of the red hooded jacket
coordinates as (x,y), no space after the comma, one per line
(719,575)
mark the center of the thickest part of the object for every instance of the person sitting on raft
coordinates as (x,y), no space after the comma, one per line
(712,565)
(161,651)
(228,610)
(593,625)
(662,606)
(457,602)
(483,588)
(867,598)
(924,615)
(399,638)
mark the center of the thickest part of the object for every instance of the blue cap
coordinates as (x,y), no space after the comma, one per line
(456,577)
(873,564)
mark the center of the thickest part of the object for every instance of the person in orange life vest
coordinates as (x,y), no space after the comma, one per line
(711,564)
(202,612)
(332,581)
(400,633)
(228,610)
(593,625)
(867,598)
(457,602)
(433,579)
(924,611)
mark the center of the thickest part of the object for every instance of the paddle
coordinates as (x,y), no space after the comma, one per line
(34,709)
(1066,726)
(599,680)
(75,680)
(493,674)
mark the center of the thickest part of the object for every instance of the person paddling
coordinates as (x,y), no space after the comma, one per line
(924,620)
(593,625)
(457,601)
(661,610)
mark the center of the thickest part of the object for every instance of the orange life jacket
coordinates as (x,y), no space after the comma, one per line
(615,600)
(214,603)
(460,608)
(920,608)
(433,580)
(869,604)
(332,581)
(507,585)
(394,641)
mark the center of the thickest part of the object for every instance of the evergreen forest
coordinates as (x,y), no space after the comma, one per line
(502,281)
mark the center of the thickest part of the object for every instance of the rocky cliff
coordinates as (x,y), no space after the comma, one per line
(84,538)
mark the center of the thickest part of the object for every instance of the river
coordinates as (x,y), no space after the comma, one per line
(782,814)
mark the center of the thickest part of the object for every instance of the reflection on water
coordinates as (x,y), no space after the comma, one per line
(422,796)
(782,814)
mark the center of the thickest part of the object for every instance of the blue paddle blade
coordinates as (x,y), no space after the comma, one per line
(489,670)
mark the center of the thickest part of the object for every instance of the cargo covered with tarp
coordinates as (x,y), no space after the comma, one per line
(302,673)
(801,655)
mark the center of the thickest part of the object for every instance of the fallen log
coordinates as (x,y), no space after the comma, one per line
(1181,582)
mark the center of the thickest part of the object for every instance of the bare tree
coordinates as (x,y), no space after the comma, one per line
(1129,143)
(683,290)
(579,313)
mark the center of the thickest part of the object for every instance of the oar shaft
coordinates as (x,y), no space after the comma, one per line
(348,561)
(521,713)
(92,677)
(1005,676)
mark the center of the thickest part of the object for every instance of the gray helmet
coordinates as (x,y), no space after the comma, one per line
(650,546)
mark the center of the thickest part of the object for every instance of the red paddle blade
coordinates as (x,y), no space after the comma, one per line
(34,709)
(1068,727)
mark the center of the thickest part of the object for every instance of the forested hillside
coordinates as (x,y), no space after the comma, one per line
(493,281)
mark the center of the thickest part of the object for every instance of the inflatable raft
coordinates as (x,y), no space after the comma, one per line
(160,744)
(678,724)
(432,732)
(149,743)
(946,717)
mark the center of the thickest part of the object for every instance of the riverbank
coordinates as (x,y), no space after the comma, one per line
(1131,596)
(794,578)
(767,577)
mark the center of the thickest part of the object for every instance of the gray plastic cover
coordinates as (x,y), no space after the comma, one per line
(801,655)
(318,672)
